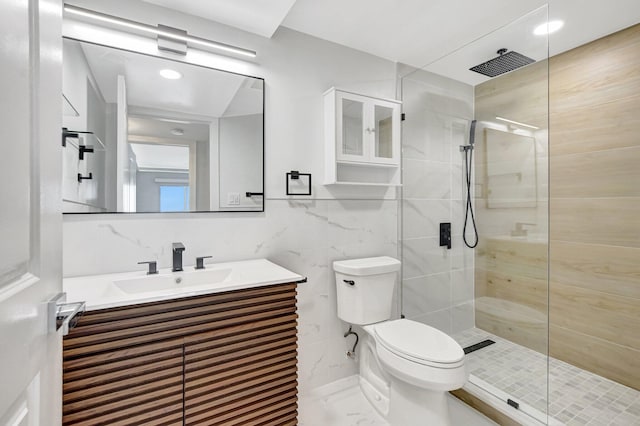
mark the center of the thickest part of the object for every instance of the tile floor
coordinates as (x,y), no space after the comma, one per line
(578,396)
(341,403)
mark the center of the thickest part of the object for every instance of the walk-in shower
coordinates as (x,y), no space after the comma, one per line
(527,275)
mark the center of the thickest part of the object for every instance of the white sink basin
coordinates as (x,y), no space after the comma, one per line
(130,288)
(173,281)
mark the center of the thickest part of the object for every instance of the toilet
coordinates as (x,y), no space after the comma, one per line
(406,367)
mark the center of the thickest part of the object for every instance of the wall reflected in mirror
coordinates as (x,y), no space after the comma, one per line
(147,134)
(511,172)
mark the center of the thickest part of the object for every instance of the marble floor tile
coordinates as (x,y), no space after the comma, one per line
(576,396)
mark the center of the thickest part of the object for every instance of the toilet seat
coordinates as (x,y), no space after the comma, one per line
(419,343)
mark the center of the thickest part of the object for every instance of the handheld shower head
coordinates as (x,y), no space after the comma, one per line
(472,138)
(472,133)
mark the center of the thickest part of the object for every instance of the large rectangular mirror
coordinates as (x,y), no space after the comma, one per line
(146,134)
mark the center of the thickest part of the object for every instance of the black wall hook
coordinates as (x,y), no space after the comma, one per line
(81,178)
(84,149)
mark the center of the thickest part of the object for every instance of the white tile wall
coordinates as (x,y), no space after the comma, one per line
(437,283)
(304,236)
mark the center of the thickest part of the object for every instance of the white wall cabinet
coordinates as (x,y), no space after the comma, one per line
(362,139)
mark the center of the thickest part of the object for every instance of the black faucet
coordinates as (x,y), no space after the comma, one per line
(178,248)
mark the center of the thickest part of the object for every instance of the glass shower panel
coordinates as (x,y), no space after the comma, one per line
(475,152)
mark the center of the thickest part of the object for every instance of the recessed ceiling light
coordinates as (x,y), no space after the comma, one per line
(177,131)
(548,27)
(170,74)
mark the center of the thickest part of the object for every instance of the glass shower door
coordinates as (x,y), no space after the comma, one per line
(492,298)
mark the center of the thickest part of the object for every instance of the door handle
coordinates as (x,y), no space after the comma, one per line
(64,315)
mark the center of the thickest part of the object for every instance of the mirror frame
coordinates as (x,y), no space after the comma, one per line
(264,93)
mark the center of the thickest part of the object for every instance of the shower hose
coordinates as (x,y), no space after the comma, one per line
(468,213)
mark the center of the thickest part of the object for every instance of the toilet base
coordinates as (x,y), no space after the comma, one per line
(399,402)
(410,405)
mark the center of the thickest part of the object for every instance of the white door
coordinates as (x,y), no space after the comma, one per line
(30,210)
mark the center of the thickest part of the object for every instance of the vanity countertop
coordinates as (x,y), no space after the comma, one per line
(131,288)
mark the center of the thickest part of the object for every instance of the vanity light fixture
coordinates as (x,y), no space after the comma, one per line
(517,123)
(157,30)
(170,74)
(548,27)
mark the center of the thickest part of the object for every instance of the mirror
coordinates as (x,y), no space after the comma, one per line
(510,169)
(352,127)
(144,134)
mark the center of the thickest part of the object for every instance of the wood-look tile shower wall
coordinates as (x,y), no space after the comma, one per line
(594,206)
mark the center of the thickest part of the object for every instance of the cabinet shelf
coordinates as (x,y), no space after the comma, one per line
(359,164)
(364,184)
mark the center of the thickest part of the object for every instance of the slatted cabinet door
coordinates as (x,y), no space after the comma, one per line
(242,375)
(221,359)
(123,385)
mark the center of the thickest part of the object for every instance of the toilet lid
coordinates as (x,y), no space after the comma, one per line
(419,341)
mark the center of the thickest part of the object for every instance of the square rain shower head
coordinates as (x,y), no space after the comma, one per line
(504,63)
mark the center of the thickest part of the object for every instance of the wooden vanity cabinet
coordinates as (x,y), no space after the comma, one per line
(222,359)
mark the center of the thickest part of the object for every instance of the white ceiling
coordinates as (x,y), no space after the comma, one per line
(517,36)
(262,17)
(164,157)
(418,32)
(159,128)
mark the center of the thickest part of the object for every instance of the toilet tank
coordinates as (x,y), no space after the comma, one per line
(365,288)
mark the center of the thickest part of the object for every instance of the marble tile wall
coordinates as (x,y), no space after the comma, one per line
(303,236)
(437,284)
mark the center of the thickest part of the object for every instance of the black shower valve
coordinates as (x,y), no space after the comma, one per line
(445,235)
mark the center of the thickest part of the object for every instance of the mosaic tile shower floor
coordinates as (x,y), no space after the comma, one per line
(578,397)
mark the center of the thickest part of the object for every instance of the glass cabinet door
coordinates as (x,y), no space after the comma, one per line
(368,130)
(383,131)
(352,128)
